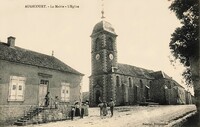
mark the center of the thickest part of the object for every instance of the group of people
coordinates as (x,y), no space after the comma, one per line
(47,100)
(103,107)
(79,110)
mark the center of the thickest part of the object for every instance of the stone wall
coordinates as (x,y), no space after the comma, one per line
(9,113)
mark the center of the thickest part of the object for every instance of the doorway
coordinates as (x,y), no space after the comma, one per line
(98,97)
(43,89)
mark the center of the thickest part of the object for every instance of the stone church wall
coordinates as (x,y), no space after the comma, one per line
(126,93)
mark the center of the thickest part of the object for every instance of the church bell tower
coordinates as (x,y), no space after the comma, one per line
(104,60)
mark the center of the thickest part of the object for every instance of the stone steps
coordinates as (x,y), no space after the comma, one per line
(25,120)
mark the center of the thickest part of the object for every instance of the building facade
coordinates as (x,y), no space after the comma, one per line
(26,77)
(125,84)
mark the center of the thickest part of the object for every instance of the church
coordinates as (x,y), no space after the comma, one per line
(126,84)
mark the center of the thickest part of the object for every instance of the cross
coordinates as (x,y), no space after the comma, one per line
(102,12)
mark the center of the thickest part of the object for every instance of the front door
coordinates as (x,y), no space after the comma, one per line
(43,88)
(98,97)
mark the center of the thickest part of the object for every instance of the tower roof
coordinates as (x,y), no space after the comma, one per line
(103,26)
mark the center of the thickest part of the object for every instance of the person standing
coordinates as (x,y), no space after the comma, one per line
(56,102)
(77,109)
(47,99)
(111,105)
(101,109)
(105,112)
(82,109)
(86,108)
(72,112)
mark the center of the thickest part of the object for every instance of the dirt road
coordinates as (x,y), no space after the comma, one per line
(127,116)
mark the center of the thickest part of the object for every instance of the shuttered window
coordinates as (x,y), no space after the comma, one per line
(16,88)
(65,92)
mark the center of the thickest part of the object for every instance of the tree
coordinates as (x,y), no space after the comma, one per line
(184,42)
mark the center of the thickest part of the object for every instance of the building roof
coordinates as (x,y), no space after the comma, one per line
(134,71)
(160,74)
(103,26)
(24,56)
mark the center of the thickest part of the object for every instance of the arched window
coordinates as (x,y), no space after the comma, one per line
(129,81)
(110,44)
(150,84)
(99,82)
(169,85)
(97,44)
(117,81)
(141,84)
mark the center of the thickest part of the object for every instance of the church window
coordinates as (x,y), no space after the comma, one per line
(169,85)
(65,94)
(150,84)
(129,80)
(97,44)
(141,84)
(16,88)
(117,81)
(110,44)
(99,82)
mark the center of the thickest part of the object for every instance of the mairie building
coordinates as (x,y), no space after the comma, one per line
(25,78)
(126,84)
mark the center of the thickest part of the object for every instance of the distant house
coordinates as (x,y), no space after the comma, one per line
(26,76)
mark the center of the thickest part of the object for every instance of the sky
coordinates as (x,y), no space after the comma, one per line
(144,28)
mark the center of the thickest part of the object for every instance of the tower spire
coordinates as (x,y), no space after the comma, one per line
(102,12)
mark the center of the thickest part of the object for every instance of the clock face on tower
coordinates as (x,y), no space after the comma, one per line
(97,56)
(111,56)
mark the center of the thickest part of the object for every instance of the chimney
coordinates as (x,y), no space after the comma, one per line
(11,41)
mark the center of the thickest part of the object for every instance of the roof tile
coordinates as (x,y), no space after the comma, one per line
(24,56)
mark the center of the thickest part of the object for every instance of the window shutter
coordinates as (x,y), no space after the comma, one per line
(67,95)
(20,89)
(65,92)
(16,88)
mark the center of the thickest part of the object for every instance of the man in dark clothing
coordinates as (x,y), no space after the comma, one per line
(47,99)
(72,112)
(82,109)
(111,105)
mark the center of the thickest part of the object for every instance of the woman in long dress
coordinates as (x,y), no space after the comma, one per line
(105,112)
(77,109)
(86,108)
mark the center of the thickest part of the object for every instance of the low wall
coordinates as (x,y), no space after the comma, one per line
(9,113)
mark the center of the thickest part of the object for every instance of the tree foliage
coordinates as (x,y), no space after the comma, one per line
(184,42)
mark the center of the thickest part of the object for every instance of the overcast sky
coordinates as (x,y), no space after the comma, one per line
(143,27)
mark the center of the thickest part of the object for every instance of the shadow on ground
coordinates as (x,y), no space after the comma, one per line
(192,121)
